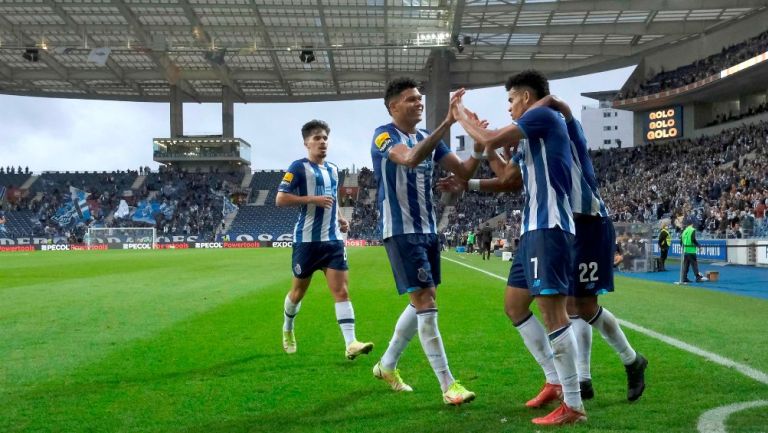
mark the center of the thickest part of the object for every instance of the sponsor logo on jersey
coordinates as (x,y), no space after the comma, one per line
(382,140)
(288,178)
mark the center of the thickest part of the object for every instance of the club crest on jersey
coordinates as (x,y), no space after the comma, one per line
(422,275)
(297,269)
(288,178)
(382,140)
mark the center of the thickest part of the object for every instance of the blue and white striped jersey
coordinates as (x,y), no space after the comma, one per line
(585,197)
(315,224)
(404,194)
(545,163)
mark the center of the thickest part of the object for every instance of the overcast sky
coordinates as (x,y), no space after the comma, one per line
(65,134)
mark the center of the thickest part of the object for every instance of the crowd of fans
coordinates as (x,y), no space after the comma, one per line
(195,201)
(730,117)
(700,69)
(190,203)
(44,205)
(12,170)
(473,209)
(720,180)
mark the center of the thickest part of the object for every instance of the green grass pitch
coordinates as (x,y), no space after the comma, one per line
(189,341)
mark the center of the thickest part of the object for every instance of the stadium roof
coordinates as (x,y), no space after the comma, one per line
(254,46)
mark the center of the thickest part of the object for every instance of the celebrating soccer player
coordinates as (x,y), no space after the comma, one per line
(542,268)
(312,183)
(592,272)
(404,160)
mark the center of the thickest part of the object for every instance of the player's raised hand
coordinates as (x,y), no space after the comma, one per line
(325,201)
(455,106)
(452,184)
(472,117)
(457,95)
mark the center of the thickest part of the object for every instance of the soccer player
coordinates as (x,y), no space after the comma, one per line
(542,268)
(312,183)
(404,160)
(593,270)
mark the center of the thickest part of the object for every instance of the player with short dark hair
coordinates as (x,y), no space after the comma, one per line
(542,268)
(593,268)
(593,271)
(312,183)
(404,159)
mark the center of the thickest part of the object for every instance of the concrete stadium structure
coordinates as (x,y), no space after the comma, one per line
(229,51)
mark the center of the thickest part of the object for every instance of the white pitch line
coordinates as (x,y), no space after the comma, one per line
(717,359)
(713,421)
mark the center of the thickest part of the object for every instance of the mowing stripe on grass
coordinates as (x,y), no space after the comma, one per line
(717,359)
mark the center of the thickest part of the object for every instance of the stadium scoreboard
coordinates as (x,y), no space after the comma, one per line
(663,124)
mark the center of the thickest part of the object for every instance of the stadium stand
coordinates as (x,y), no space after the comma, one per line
(9,180)
(192,202)
(700,69)
(722,179)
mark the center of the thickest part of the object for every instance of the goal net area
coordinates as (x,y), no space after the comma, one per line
(138,237)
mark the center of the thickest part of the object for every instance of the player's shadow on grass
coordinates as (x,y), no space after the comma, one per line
(222,369)
(325,416)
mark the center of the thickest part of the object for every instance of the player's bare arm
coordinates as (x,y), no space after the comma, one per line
(455,184)
(467,168)
(343,223)
(284,199)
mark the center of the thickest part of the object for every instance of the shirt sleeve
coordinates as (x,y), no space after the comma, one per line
(576,133)
(383,141)
(292,178)
(536,122)
(441,151)
(517,157)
